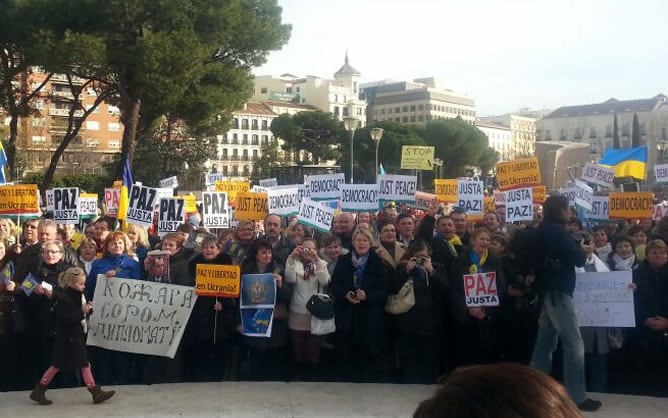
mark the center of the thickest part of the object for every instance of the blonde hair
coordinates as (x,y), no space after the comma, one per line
(365,232)
(70,276)
(142,235)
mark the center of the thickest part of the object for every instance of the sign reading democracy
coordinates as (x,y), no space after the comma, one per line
(415,157)
(66,205)
(251,206)
(597,174)
(633,205)
(470,196)
(397,188)
(140,207)
(515,174)
(661,173)
(424,201)
(19,199)
(519,205)
(283,201)
(138,316)
(315,214)
(87,204)
(604,299)
(171,215)
(480,290)
(215,212)
(583,195)
(599,209)
(446,190)
(112,197)
(217,280)
(359,197)
(325,186)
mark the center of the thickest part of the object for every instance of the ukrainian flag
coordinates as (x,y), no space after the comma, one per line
(630,162)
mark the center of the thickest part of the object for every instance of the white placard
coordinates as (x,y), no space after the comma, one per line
(169,182)
(597,174)
(215,211)
(600,208)
(303,192)
(283,200)
(66,205)
(499,198)
(470,196)
(87,206)
(569,193)
(49,200)
(604,299)
(170,215)
(397,188)
(359,197)
(423,200)
(259,189)
(140,207)
(136,316)
(584,195)
(519,205)
(325,186)
(315,214)
(480,289)
(272,182)
(212,178)
(661,173)
(112,197)
(163,193)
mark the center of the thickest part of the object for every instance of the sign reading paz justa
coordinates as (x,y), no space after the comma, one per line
(359,197)
(251,206)
(524,172)
(217,280)
(140,206)
(519,205)
(397,188)
(414,157)
(140,317)
(215,212)
(480,290)
(315,214)
(597,174)
(171,215)
(66,205)
(325,186)
(635,205)
(470,196)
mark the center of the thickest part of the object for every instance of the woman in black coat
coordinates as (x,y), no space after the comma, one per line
(211,340)
(419,329)
(360,286)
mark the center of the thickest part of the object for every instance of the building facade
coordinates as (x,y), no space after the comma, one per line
(339,96)
(522,133)
(40,134)
(592,124)
(417,102)
(499,137)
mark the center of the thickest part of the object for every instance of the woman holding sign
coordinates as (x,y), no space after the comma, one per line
(360,286)
(480,288)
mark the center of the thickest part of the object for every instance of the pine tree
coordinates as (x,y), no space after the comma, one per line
(615,134)
(635,135)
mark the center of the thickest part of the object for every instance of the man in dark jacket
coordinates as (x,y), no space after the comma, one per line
(557,256)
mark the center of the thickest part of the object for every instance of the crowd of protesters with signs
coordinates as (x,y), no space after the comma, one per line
(401,294)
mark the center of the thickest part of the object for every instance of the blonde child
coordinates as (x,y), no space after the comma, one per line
(70,343)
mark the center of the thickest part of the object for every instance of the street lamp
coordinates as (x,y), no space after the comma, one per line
(351,125)
(376,135)
(438,163)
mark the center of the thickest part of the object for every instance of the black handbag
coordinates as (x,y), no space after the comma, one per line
(321,306)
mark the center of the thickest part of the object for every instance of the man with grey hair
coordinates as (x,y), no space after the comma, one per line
(344,225)
(282,246)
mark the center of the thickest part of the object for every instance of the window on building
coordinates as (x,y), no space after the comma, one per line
(38,122)
(421,107)
(664,134)
(93,143)
(265,125)
(235,139)
(113,126)
(626,129)
(428,117)
(288,89)
(563,134)
(114,144)
(643,131)
(245,155)
(413,118)
(412,108)
(246,170)
(592,133)
(255,140)
(38,139)
(265,139)
(235,123)
(397,109)
(255,154)
(298,89)
(398,120)
(224,153)
(254,124)
(548,135)
(235,170)
(345,111)
(244,123)
(359,111)
(92,125)
(420,118)
(608,131)
(336,111)
(404,108)
(336,98)
(577,134)
(245,139)
(225,170)
(263,90)
(113,110)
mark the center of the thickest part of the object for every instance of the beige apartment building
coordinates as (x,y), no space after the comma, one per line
(340,96)
(418,102)
(40,134)
(522,129)
(499,138)
(592,124)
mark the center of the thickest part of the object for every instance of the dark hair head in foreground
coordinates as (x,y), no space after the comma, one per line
(503,390)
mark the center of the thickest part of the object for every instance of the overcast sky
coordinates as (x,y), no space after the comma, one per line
(505,54)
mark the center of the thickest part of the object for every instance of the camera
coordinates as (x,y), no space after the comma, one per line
(419,261)
(306,250)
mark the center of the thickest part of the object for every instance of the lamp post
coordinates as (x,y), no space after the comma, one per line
(376,136)
(351,125)
(438,163)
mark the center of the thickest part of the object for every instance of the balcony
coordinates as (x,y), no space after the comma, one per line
(65,112)
(62,93)
(62,78)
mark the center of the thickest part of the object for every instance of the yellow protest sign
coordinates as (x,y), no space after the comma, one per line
(415,157)
(251,206)
(631,205)
(19,199)
(232,188)
(490,205)
(539,194)
(516,174)
(446,190)
(217,280)
(190,203)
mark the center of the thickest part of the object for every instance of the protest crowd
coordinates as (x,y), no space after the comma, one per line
(406,293)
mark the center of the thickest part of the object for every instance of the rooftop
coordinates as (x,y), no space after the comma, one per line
(610,106)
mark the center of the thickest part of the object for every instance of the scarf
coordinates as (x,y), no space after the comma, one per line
(477,261)
(623,264)
(359,264)
(450,244)
(604,251)
(456,241)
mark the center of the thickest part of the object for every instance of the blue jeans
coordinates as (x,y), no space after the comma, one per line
(558,320)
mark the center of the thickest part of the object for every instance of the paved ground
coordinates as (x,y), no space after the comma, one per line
(275,400)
